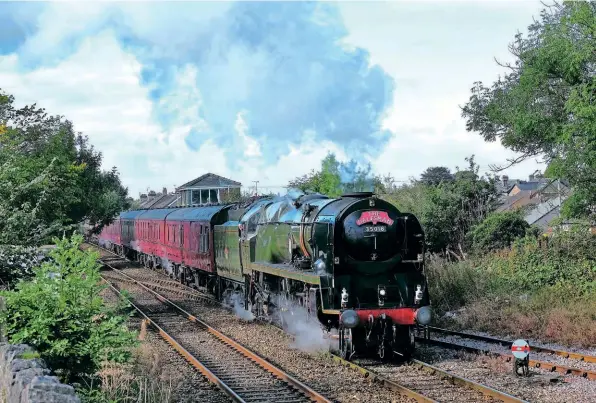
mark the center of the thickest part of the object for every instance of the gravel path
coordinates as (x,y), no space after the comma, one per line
(541,386)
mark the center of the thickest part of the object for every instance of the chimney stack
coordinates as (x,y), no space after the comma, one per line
(164,191)
(531,177)
(505,181)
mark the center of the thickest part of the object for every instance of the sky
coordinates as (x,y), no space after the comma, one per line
(263,91)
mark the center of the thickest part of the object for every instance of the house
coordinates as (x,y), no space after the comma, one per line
(207,189)
(541,198)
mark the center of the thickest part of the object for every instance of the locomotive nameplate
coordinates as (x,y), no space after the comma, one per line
(374,217)
(375,228)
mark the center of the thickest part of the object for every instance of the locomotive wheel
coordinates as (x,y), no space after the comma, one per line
(346,348)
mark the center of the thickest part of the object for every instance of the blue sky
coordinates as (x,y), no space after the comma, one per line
(262,91)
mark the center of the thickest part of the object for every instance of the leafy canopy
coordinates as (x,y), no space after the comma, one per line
(546,104)
(62,315)
(450,209)
(498,231)
(50,177)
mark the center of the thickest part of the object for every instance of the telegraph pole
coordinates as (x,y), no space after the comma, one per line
(256,188)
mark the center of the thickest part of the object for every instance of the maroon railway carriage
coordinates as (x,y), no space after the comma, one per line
(179,240)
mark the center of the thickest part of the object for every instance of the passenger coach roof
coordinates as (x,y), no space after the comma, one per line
(195,213)
(129,215)
(156,214)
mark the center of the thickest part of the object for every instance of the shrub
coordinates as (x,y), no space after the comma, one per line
(16,263)
(61,314)
(542,288)
(499,230)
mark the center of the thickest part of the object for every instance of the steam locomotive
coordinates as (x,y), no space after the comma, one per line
(354,262)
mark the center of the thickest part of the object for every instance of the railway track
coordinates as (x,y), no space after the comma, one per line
(425,382)
(502,342)
(418,381)
(585,372)
(240,373)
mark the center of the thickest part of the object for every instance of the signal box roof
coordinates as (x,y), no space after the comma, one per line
(195,213)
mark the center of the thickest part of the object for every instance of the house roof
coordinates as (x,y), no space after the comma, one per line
(501,188)
(210,180)
(517,200)
(541,210)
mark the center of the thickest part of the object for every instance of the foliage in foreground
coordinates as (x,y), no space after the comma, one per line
(541,288)
(62,315)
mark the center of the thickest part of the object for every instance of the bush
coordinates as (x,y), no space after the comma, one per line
(17,263)
(62,315)
(544,288)
(499,230)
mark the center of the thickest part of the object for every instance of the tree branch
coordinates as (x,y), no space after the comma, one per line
(511,162)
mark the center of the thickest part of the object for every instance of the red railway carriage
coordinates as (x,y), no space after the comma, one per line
(179,240)
(110,234)
(188,234)
(150,230)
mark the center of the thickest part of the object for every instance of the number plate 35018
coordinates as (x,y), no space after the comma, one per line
(375,228)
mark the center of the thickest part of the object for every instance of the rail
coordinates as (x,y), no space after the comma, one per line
(564,354)
(280,374)
(508,357)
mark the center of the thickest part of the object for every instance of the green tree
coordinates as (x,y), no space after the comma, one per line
(546,104)
(436,175)
(448,211)
(62,315)
(335,178)
(498,231)
(50,177)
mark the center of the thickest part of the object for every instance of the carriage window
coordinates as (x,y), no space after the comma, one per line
(181,227)
(204,239)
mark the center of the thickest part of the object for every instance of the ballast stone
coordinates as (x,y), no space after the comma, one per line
(28,380)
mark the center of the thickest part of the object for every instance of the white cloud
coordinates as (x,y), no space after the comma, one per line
(98,86)
(435,51)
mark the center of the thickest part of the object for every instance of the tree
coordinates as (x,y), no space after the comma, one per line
(50,177)
(335,178)
(448,211)
(498,231)
(545,104)
(62,315)
(435,175)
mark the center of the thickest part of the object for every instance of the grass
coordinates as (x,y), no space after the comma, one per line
(29,355)
(144,380)
(532,290)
